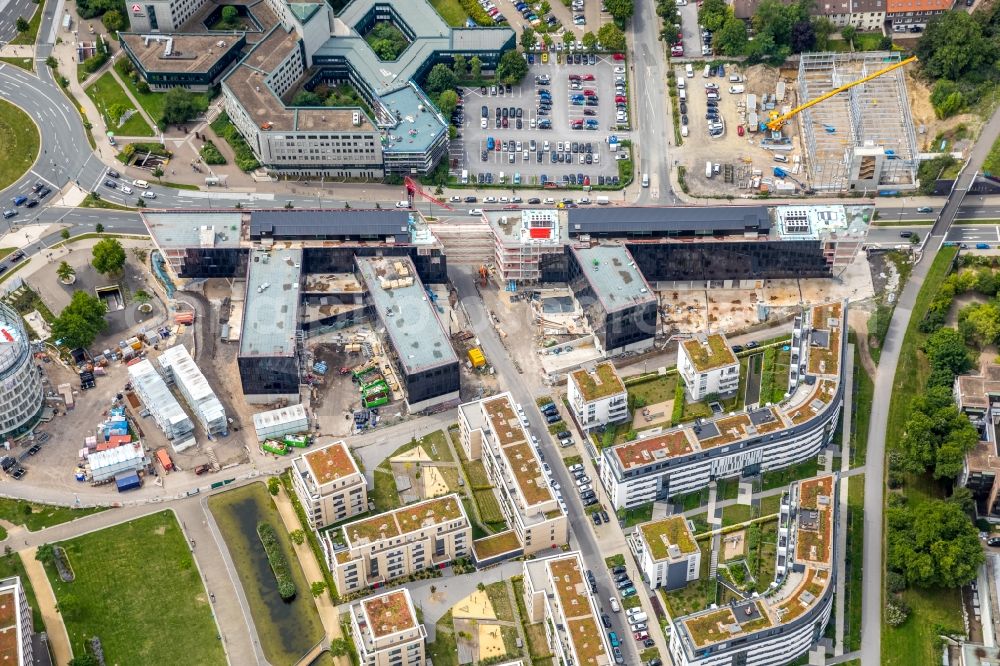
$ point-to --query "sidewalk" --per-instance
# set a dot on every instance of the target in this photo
(59, 645)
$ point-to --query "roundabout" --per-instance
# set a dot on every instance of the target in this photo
(20, 143)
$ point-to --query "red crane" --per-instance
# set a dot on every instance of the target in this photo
(413, 187)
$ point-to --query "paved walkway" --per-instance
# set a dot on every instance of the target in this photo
(845, 466)
(59, 643)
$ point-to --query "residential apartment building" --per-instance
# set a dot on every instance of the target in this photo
(708, 366)
(862, 14)
(400, 542)
(783, 625)
(978, 396)
(557, 595)
(15, 624)
(667, 552)
(386, 630)
(597, 396)
(666, 463)
(491, 430)
(329, 485)
(905, 13)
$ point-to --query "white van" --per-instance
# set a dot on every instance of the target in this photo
(681, 84)
(465, 176)
(780, 158)
(689, 71)
(705, 72)
(645, 180)
(126, 189)
(602, 201)
(141, 184)
(735, 78)
(736, 90)
(684, 130)
(682, 95)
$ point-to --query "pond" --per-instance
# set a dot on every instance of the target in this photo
(287, 630)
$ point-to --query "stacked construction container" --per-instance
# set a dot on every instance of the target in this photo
(180, 367)
(162, 406)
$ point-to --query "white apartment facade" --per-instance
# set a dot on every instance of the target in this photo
(707, 365)
(491, 430)
(667, 552)
(400, 542)
(15, 624)
(329, 485)
(386, 630)
(597, 396)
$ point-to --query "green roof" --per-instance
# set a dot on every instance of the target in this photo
(709, 352)
(661, 534)
(602, 383)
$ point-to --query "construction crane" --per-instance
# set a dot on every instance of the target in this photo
(413, 187)
(778, 120)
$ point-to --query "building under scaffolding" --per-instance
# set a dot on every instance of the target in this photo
(862, 139)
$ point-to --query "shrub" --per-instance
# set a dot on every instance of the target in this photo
(245, 159)
(895, 582)
(276, 558)
(896, 613)
(211, 155)
(476, 12)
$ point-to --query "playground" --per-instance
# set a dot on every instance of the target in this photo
(480, 634)
(418, 476)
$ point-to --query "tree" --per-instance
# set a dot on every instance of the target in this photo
(935, 545)
(99, 228)
(946, 349)
(568, 38)
(142, 296)
(475, 67)
(621, 10)
(80, 321)
(589, 40)
(849, 32)
(611, 37)
(307, 98)
(823, 28)
(803, 37)
(545, 7)
(85, 659)
(157, 173)
(731, 39)
(448, 102)
(460, 66)
(108, 256)
(65, 271)
(179, 105)
(713, 14)
(297, 537)
(21, 24)
(64, 234)
(952, 46)
(273, 485)
(980, 323)
(512, 67)
(946, 98)
(114, 20)
(116, 111)
(317, 588)
(528, 38)
(440, 78)
(230, 16)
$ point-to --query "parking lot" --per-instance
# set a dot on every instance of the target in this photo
(578, 111)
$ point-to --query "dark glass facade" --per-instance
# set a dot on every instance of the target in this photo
(730, 260)
(430, 383)
(269, 375)
(430, 263)
(216, 262)
(618, 329)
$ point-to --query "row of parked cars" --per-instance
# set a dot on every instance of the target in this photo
(38, 192)
(491, 9)
(111, 182)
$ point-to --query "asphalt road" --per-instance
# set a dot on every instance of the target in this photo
(871, 612)
(648, 75)
(10, 10)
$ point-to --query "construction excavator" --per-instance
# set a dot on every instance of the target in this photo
(777, 120)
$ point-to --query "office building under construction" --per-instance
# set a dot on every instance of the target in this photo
(861, 140)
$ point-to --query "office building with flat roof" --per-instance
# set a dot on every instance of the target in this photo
(616, 299)
(557, 595)
(666, 551)
(664, 463)
(386, 630)
(421, 349)
(786, 622)
(708, 366)
(330, 485)
(15, 624)
(597, 396)
(490, 430)
(387, 546)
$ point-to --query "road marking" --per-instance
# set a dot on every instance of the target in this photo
(41, 177)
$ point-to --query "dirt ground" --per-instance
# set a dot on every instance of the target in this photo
(654, 414)
(926, 123)
(743, 153)
(733, 545)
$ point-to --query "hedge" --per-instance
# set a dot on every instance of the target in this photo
(277, 560)
(477, 13)
(211, 155)
(245, 159)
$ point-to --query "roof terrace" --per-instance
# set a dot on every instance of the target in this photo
(824, 342)
(389, 613)
(726, 623)
(331, 463)
(581, 624)
(814, 540)
(660, 535)
(642, 452)
(600, 383)
(709, 352)
(404, 520)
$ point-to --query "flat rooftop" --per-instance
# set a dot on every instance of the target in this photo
(814, 542)
(825, 339)
(270, 313)
(405, 519)
(613, 276)
(331, 463)
(602, 382)
(180, 53)
(330, 224)
(10, 646)
(660, 535)
(409, 316)
(581, 621)
(974, 391)
(389, 613)
(522, 459)
(709, 352)
(192, 229)
(625, 220)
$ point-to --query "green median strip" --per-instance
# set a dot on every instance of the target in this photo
(902, 223)
(961, 222)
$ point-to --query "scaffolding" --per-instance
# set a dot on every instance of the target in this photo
(872, 117)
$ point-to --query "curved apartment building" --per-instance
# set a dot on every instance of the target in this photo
(679, 460)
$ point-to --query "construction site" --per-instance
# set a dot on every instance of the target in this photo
(839, 123)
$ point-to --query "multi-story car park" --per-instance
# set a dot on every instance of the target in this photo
(387, 631)
(786, 622)
(400, 542)
(303, 44)
(557, 594)
(491, 429)
(597, 396)
(688, 457)
(707, 365)
(329, 485)
(667, 553)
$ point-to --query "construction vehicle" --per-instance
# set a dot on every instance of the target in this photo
(783, 173)
(483, 273)
(413, 188)
(777, 120)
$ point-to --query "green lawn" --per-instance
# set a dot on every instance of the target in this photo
(867, 41)
(855, 543)
(698, 594)
(864, 393)
(444, 650)
(28, 37)
(654, 390)
(19, 143)
(106, 92)
(934, 611)
(451, 11)
(152, 102)
(736, 514)
(615, 560)
(635, 515)
(783, 477)
(138, 589)
(384, 494)
(39, 516)
(23, 63)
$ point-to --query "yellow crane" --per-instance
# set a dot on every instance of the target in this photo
(778, 120)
